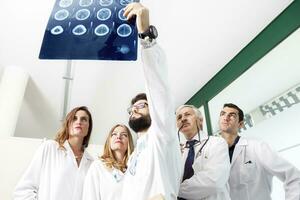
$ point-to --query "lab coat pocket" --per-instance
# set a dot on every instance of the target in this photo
(248, 172)
(200, 161)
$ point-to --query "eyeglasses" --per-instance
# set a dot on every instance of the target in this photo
(137, 106)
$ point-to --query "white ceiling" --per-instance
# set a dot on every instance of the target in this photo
(199, 38)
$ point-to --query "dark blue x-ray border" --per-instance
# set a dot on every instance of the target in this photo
(67, 45)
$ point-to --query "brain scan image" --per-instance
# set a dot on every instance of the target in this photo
(65, 3)
(79, 30)
(82, 14)
(106, 2)
(85, 3)
(101, 30)
(57, 30)
(125, 2)
(90, 30)
(124, 30)
(103, 14)
(121, 15)
(61, 15)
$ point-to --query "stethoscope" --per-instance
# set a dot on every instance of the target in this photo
(196, 143)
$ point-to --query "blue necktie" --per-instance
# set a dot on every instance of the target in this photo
(188, 169)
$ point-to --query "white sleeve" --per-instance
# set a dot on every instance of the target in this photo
(214, 175)
(282, 169)
(158, 93)
(91, 188)
(28, 186)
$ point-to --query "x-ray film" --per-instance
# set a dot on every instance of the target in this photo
(89, 29)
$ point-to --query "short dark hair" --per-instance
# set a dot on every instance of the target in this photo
(140, 96)
(240, 112)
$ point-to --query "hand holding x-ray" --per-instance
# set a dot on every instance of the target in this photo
(141, 13)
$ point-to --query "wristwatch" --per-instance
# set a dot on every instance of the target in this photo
(151, 33)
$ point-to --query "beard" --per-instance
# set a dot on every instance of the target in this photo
(140, 124)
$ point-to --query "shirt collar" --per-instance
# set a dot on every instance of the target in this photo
(242, 142)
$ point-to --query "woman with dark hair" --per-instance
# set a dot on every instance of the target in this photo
(104, 178)
(59, 166)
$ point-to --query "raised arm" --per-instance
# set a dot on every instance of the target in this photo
(156, 76)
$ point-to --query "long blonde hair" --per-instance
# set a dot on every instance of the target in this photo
(63, 133)
(108, 157)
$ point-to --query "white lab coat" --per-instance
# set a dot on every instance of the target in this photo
(155, 165)
(253, 166)
(53, 174)
(211, 171)
(102, 183)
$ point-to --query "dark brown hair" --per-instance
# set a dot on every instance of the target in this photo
(240, 112)
(140, 96)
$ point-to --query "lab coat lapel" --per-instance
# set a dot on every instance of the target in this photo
(85, 158)
(238, 149)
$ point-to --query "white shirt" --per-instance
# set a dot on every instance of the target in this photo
(252, 168)
(102, 183)
(211, 171)
(53, 174)
(155, 166)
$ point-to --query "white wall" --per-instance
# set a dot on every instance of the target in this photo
(16, 155)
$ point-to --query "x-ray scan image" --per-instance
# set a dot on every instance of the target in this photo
(89, 29)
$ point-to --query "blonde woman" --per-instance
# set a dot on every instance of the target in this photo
(104, 178)
(59, 166)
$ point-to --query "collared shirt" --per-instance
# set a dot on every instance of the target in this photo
(197, 146)
(53, 174)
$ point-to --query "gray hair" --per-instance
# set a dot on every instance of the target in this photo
(196, 110)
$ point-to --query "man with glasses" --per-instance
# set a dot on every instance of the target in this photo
(254, 163)
(206, 162)
(153, 170)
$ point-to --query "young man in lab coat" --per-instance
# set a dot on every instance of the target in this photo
(153, 170)
(206, 161)
(253, 163)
